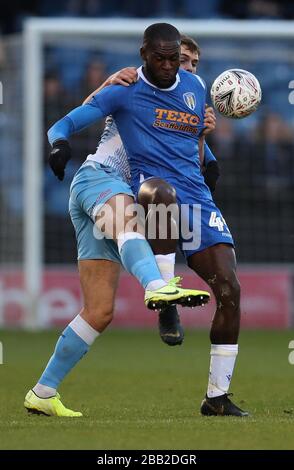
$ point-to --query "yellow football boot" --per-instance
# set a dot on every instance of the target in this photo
(48, 406)
(172, 294)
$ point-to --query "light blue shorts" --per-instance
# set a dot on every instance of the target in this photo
(93, 185)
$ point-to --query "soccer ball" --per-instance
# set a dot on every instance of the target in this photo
(236, 93)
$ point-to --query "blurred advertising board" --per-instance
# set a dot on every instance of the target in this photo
(266, 299)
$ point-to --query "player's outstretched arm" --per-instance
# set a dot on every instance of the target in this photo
(59, 133)
(108, 101)
(124, 77)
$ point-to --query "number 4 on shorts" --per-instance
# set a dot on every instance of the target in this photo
(216, 221)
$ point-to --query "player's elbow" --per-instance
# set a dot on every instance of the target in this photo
(61, 130)
(54, 133)
(51, 135)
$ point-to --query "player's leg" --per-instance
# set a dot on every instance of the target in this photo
(152, 192)
(217, 266)
(117, 220)
(97, 277)
(96, 187)
(136, 254)
(99, 280)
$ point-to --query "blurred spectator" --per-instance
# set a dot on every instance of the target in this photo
(223, 138)
(274, 139)
(146, 9)
(95, 75)
(83, 8)
(264, 9)
(257, 9)
(56, 103)
(70, 59)
(191, 9)
(56, 100)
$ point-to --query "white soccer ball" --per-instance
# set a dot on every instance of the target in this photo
(236, 93)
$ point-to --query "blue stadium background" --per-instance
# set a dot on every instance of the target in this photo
(256, 155)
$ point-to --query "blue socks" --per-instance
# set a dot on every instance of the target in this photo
(137, 258)
(70, 348)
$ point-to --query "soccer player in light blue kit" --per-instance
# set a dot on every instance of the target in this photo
(160, 119)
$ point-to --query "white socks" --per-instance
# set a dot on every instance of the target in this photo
(43, 391)
(157, 284)
(222, 363)
(84, 330)
(166, 264)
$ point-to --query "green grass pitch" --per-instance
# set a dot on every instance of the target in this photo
(137, 393)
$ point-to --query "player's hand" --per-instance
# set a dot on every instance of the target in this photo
(209, 120)
(58, 157)
(125, 77)
(211, 175)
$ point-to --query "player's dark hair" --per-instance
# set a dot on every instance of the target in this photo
(160, 32)
(190, 44)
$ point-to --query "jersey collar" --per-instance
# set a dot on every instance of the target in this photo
(141, 75)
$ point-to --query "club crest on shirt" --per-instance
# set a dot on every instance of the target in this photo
(190, 100)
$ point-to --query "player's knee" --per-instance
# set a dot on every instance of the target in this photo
(99, 318)
(228, 292)
(156, 191)
(164, 193)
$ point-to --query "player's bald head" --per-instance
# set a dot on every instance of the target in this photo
(161, 32)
